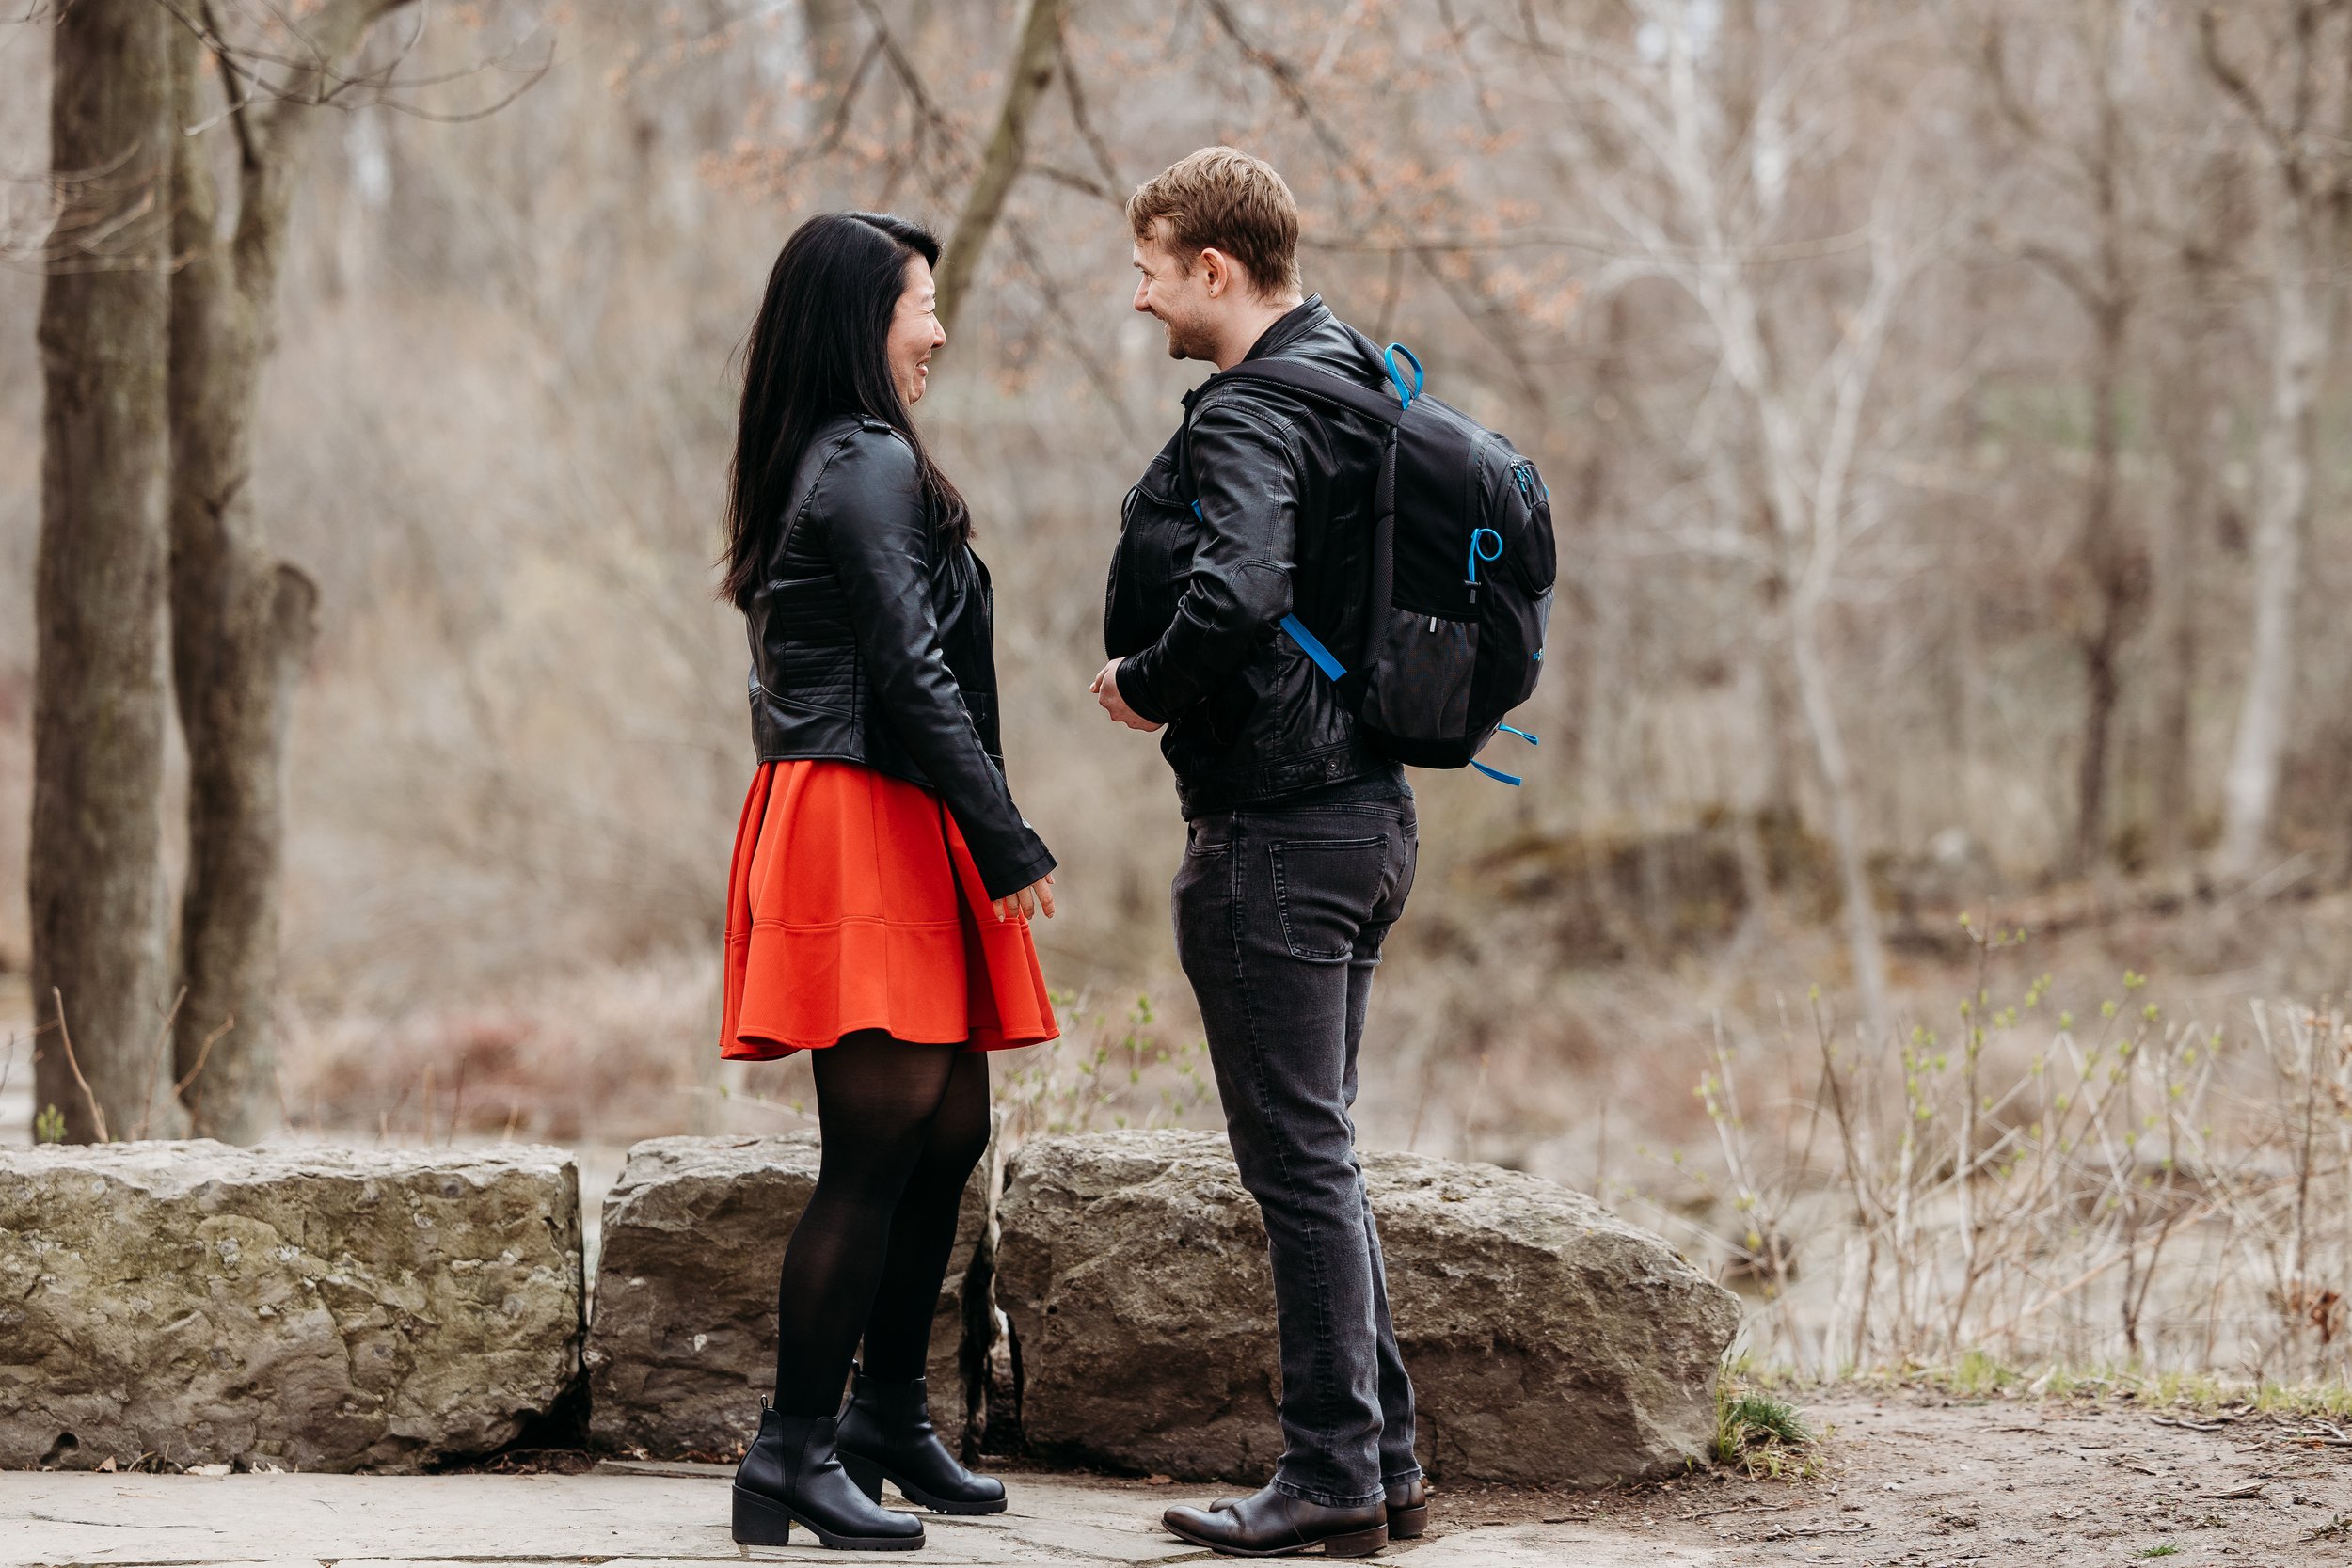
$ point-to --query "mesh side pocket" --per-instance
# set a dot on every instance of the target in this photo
(1421, 685)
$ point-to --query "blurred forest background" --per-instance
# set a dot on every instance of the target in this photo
(1942, 401)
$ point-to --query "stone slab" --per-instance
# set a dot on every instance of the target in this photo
(682, 1337)
(1548, 1340)
(326, 1308)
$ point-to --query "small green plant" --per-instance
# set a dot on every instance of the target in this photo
(1978, 1375)
(49, 1126)
(1105, 1074)
(2168, 1549)
(1761, 1435)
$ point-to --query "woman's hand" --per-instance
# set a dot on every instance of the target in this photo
(1036, 896)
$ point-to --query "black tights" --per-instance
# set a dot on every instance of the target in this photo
(902, 1127)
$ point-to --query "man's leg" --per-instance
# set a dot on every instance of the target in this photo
(1269, 909)
(1398, 1465)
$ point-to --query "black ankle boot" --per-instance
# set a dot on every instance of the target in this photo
(1269, 1523)
(1408, 1503)
(886, 1434)
(790, 1474)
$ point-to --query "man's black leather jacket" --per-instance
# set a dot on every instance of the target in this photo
(873, 642)
(1195, 601)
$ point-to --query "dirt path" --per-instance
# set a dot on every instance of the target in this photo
(1909, 1482)
(1923, 1481)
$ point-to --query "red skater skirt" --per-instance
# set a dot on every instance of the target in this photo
(853, 904)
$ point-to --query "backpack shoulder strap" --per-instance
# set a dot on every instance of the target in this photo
(1317, 385)
(1331, 389)
(1311, 382)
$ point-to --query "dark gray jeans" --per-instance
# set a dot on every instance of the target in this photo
(1280, 917)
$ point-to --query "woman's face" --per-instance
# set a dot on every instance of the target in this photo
(915, 331)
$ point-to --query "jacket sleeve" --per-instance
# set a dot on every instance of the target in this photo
(1240, 586)
(877, 529)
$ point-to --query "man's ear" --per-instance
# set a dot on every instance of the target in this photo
(1219, 268)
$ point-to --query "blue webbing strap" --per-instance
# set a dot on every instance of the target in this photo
(1314, 646)
(1299, 634)
(1498, 773)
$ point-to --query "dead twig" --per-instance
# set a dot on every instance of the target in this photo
(203, 1052)
(1736, 1507)
(155, 1065)
(97, 1112)
(1792, 1532)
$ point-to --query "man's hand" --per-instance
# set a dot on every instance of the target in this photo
(1028, 901)
(1105, 690)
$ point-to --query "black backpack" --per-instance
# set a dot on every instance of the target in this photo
(1462, 568)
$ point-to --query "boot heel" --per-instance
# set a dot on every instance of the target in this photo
(1362, 1542)
(865, 1473)
(759, 1522)
(1405, 1524)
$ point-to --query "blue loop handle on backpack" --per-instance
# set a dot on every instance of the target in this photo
(1406, 394)
(1511, 779)
(1512, 729)
(1480, 550)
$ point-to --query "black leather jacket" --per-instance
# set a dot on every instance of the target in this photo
(1195, 602)
(874, 642)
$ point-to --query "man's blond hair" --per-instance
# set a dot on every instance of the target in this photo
(1223, 197)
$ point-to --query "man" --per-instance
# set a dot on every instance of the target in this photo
(1301, 836)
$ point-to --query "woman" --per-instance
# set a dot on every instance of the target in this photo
(878, 909)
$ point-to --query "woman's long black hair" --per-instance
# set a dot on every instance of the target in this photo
(821, 349)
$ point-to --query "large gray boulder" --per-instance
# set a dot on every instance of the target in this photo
(317, 1308)
(682, 1335)
(1548, 1340)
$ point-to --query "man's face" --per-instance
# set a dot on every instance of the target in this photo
(1176, 289)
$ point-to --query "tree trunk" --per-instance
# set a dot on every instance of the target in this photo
(242, 622)
(2299, 336)
(95, 878)
(2116, 582)
(2192, 422)
(240, 626)
(1033, 62)
(1865, 947)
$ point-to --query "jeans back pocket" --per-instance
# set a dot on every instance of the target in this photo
(1325, 891)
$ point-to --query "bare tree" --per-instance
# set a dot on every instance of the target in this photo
(2089, 165)
(1036, 51)
(2193, 417)
(95, 876)
(242, 620)
(2297, 105)
(1693, 215)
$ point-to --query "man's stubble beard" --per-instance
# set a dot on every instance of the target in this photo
(1188, 341)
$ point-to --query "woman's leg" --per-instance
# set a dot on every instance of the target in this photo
(923, 1228)
(877, 1099)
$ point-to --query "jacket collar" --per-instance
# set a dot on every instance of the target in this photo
(1302, 319)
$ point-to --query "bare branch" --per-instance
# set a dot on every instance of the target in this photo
(1033, 60)
(2235, 84)
(1073, 93)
